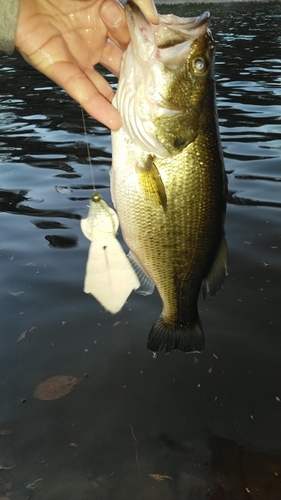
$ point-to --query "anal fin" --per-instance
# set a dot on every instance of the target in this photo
(146, 284)
(219, 270)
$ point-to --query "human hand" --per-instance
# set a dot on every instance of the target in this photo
(65, 39)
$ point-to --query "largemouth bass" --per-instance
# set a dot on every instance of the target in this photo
(168, 182)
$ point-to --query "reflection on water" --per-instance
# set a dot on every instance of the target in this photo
(175, 427)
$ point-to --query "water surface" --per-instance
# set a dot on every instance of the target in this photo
(179, 427)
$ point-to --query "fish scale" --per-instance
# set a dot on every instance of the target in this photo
(175, 242)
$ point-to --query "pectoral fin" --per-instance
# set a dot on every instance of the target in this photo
(152, 184)
(219, 270)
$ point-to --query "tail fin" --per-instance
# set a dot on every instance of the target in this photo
(186, 338)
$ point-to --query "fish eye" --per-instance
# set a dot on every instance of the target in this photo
(199, 65)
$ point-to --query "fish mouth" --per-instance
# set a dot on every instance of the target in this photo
(170, 32)
(132, 9)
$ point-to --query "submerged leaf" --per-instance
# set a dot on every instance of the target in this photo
(55, 387)
(5, 432)
(23, 334)
(31, 486)
(160, 477)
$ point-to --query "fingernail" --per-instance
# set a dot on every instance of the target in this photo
(112, 13)
(115, 124)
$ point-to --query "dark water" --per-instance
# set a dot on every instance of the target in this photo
(207, 425)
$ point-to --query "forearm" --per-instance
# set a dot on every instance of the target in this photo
(8, 24)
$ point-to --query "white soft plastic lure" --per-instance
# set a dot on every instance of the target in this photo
(109, 277)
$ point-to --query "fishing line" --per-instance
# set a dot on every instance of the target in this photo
(96, 197)
(88, 149)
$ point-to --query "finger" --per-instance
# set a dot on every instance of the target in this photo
(113, 16)
(100, 109)
(101, 85)
(86, 92)
(111, 58)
